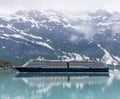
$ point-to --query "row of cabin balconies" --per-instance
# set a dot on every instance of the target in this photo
(64, 64)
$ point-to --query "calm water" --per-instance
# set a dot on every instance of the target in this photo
(41, 86)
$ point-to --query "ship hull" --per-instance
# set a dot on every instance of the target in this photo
(38, 69)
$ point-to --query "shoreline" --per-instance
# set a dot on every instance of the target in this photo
(6, 70)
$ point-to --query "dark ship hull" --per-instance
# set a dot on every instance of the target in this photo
(38, 69)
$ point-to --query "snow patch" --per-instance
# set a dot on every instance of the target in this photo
(45, 44)
(117, 58)
(1, 31)
(17, 56)
(30, 35)
(103, 24)
(17, 36)
(78, 56)
(40, 58)
(107, 58)
(14, 35)
(72, 56)
(86, 57)
(3, 38)
(67, 25)
(1, 25)
(48, 40)
(3, 47)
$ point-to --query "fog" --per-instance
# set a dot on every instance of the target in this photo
(9, 6)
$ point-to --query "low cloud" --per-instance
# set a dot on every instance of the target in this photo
(82, 32)
(64, 5)
(115, 24)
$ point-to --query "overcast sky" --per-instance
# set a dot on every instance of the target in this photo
(8, 6)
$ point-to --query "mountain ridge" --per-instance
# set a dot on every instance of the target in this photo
(55, 35)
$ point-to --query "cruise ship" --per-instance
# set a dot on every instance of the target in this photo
(62, 66)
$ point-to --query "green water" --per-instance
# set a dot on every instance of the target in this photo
(46, 86)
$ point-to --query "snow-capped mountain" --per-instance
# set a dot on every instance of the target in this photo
(56, 35)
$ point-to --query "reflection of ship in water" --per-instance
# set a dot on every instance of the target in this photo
(68, 77)
(45, 81)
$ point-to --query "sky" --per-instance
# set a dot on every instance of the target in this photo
(10, 6)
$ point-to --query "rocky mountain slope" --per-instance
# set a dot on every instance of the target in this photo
(49, 34)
